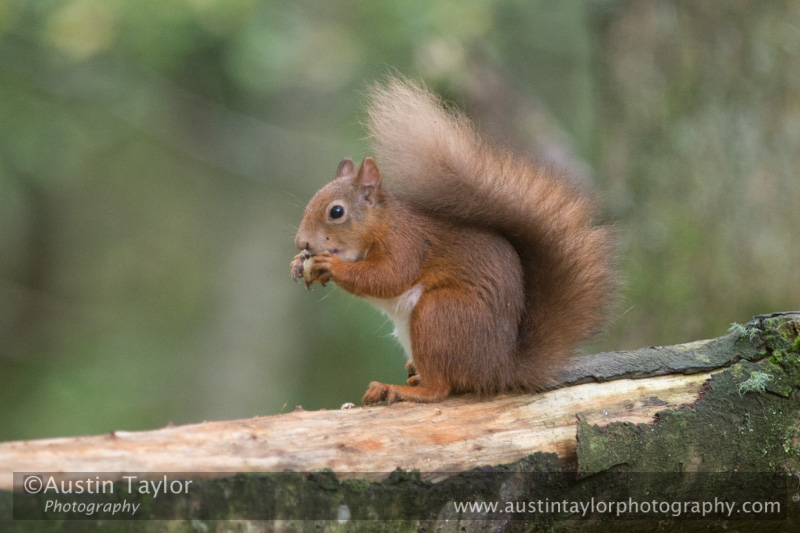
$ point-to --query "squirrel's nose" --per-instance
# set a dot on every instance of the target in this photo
(302, 244)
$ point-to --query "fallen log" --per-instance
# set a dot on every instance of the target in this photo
(696, 407)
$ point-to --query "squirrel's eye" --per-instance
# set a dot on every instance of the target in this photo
(337, 211)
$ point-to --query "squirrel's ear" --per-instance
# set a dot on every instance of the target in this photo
(346, 169)
(368, 180)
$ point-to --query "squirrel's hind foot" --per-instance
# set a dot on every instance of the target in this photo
(378, 392)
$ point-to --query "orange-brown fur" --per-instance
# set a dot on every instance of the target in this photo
(513, 273)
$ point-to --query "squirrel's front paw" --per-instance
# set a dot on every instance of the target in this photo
(323, 266)
(299, 267)
(413, 377)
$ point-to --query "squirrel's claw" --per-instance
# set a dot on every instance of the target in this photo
(299, 268)
(296, 270)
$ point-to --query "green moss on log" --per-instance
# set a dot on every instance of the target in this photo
(724, 431)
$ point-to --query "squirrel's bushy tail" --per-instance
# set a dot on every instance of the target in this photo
(433, 158)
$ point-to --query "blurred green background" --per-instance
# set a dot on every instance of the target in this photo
(155, 158)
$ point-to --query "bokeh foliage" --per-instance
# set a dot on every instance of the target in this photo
(156, 155)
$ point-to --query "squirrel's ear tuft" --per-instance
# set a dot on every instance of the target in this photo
(346, 169)
(369, 181)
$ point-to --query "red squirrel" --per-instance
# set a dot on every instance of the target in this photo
(489, 266)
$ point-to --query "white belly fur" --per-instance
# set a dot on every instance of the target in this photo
(399, 311)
